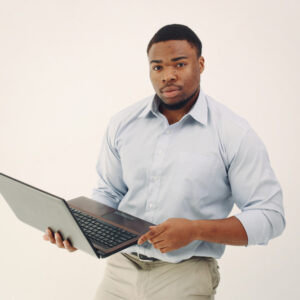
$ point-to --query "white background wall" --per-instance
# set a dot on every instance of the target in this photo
(67, 66)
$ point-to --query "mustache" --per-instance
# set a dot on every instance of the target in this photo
(170, 85)
(178, 105)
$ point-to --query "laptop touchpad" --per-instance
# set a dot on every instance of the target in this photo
(126, 220)
(119, 218)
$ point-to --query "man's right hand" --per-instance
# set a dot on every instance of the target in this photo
(57, 239)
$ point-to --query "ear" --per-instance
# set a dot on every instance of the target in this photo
(201, 62)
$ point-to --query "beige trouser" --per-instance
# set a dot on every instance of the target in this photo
(126, 277)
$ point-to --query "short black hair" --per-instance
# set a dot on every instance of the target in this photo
(176, 32)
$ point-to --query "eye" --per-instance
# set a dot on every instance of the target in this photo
(157, 68)
(180, 65)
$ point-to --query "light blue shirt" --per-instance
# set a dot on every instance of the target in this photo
(196, 168)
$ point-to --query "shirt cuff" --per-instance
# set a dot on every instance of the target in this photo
(257, 226)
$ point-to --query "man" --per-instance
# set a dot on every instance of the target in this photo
(181, 160)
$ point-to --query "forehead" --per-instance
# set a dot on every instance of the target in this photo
(171, 49)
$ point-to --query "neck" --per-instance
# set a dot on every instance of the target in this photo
(174, 116)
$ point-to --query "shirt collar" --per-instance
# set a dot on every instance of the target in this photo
(198, 112)
(152, 106)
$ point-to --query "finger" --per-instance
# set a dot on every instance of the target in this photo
(58, 240)
(144, 238)
(50, 235)
(157, 238)
(152, 233)
(160, 244)
(46, 237)
(165, 249)
(155, 233)
(68, 246)
(147, 236)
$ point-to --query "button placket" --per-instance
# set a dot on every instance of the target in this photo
(155, 173)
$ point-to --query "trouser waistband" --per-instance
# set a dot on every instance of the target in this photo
(144, 257)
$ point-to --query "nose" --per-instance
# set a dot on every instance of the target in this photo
(169, 75)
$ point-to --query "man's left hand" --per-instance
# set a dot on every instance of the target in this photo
(170, 235)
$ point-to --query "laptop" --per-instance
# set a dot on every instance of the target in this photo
(90, 226)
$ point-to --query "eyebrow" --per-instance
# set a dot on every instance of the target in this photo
(158, 61)
(178, 58)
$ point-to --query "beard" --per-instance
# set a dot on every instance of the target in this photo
(178, 105)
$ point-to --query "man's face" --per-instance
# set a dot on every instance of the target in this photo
(175, 70)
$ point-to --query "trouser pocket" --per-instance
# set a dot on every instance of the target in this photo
(214, 271)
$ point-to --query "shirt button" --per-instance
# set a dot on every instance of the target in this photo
(154, 178)
(150, 205)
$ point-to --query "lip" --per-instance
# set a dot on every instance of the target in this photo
(170, 88)
(170, 91)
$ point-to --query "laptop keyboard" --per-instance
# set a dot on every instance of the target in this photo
(101, 233)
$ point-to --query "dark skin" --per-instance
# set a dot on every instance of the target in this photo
(55, 238)
(175, 70)
(176, 64)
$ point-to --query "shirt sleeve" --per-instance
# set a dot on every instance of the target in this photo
(110, 188)
(256, 191)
